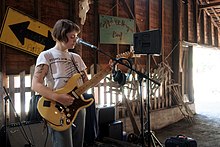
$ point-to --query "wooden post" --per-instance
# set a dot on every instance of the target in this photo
(177, 39)
(11, 93)
(22, 95)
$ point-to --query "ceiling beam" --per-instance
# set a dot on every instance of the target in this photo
(210, 5)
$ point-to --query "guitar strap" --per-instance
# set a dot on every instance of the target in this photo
(74, 63)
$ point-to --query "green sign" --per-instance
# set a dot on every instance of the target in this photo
(116, 30)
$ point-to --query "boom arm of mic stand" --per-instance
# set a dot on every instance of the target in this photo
(120, 62)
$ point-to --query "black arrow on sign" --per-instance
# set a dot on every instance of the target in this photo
(21, 31)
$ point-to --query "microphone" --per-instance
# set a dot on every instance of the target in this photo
(80, 41)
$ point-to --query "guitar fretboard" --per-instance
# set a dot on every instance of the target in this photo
(94, 81)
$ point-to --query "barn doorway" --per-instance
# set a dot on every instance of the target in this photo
(206, 79)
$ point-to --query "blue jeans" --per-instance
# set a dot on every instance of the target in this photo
(72, 137)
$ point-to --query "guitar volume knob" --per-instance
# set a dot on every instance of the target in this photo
(68, 120)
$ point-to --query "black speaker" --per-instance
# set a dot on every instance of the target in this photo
(106, 114)
(113, 130)
(116, 130)
(148, 42)
(35, 132)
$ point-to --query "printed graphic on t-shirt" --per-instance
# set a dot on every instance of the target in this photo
(62, 69)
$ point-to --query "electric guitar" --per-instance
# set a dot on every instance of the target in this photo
(61, 117)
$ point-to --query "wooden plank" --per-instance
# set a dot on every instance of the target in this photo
(11, 94)
(147, 15)
(195, 19)
(166, 91)
(170, 95)
(209, 5)
(185, 21)
(190, 89)
(22, 95)
(1, 101)
(177, 36)
(32, 68)
(105, 93)
(37, 9)
(131, 14)
(202, 29)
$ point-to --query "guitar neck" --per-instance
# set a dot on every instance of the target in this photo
(94, 81)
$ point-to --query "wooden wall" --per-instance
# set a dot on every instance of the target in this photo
(177, 19)
(153, 14)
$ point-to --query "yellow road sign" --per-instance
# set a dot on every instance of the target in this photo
(25, 33)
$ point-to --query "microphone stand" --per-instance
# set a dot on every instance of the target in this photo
(120, 62)
(6, 98)
(6, 136)
(141, 76)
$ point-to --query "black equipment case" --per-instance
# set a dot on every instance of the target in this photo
(180, 141)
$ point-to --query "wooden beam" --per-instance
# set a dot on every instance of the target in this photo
(37, 9)
(2, 47)
(211, 5)
(2, 68)
(205, 7)
(71, 12)
(96, 36)
(216, 15)
(195, 20)
(202, 31)
(162, 26)
(185, 21)
(132, 14)
(177, 38)
(147, 15)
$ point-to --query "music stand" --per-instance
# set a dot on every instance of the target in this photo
(148, 42)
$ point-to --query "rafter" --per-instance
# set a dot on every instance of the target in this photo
(210, 5)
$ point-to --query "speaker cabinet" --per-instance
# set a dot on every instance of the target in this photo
(106, 114)
(113, 130)
(147, 42)
(35, 132)
(116, 130)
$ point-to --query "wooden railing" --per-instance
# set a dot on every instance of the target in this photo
(107, 92)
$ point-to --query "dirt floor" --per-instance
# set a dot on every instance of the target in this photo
(204, 129)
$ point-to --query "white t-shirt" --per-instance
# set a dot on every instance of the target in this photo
(61, 66)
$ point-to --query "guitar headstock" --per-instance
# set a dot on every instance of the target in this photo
(125, 55)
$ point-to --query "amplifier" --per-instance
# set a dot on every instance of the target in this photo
(35, 132)
(106, 114)
(116, 130)
(113, 130)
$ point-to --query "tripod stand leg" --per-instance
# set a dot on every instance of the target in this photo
(153, 139)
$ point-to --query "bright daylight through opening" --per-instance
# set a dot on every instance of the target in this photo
(206, 79)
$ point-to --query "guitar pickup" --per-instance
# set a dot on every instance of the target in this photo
(46, 103)
(59, 107)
